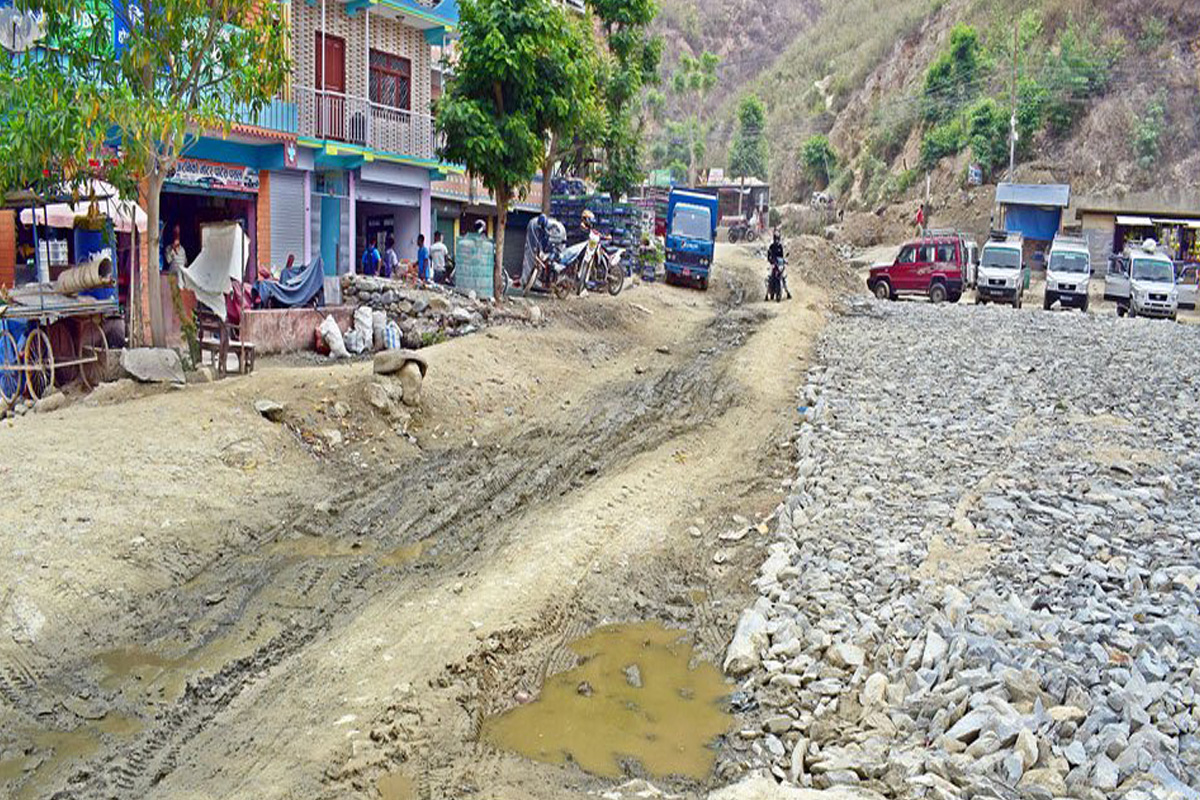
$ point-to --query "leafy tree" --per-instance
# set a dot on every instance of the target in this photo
(183, 67)
(506, 93)
(632, 65)
(748, 155)
(1147, 133)
(575, 119)
(694, 81)
(988, 132)
(947, 139)
(953, 76)
(818, 160)
(1079, 69)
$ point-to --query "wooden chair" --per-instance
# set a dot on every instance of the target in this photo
(219, 338)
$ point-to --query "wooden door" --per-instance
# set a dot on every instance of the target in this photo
(330, 81)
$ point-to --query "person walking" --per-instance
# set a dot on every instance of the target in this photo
(390, 260)
(422, 258)
(438, 253)
(371, 259)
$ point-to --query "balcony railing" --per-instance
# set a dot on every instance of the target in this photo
(355, 120)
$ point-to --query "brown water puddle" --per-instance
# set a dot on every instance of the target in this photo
(396, 786)
(57, 748)
(664, 715)
(403, 555)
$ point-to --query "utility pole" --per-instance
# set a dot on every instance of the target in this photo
(1012, 121)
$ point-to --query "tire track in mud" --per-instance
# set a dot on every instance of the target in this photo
(274, 606)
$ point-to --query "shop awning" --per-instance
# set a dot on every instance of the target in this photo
(1135, 222)
(1179, 223)
(123, 213)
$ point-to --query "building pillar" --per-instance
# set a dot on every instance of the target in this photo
(353, 232)
(427, 212)
(263, 223)
(308, 254)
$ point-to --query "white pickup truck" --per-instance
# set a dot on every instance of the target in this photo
(1141, 282)
(1068, 273)
(1000, 277)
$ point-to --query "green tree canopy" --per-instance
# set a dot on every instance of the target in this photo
(631, 66)
(693, 81)
(748, 155)
(506, 94)
(954, 75)
(184, 67)
(818, 161)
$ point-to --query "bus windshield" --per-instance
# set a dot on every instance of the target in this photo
(691, 222)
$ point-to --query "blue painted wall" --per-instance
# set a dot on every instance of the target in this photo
(331, 229)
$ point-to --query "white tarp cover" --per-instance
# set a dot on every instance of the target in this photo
(123, 213)
(1135, 222)
(224, 251)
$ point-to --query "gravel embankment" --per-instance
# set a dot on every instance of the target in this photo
(986, 579)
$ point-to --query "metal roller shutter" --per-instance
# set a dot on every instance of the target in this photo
(287, 216)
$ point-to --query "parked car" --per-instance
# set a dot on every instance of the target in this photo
(1141, 282)
(931, 266)
(1001, 273)
(1068, 273)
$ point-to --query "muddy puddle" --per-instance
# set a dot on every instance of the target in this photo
(396, 786)
(637, 695)
(52, 750)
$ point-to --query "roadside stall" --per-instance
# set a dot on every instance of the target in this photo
(53, 323)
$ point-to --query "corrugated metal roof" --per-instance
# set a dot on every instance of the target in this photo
(1057, 195)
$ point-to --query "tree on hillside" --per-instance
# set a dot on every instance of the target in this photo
(155, 76)
(514, 62)
(748, 155)
(694, 81)
(953, 78)
(632, 65)
(818, 160)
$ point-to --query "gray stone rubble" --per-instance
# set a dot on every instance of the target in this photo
(985, 581)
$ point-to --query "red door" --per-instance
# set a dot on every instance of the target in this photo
(330, 81)
(903, 270)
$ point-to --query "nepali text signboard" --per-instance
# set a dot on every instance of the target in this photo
(211, 175)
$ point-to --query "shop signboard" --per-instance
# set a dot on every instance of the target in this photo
(212, 175)
(127, 17)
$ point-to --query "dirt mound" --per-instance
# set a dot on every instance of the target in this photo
(817, 262)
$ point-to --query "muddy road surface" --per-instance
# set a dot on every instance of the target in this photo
(349, 632)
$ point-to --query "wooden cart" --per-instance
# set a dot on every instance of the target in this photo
(62, 341)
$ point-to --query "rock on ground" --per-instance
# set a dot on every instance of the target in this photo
(153, 365)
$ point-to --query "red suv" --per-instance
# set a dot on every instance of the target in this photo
(930, 266)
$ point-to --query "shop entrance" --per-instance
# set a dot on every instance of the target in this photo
(191, 209)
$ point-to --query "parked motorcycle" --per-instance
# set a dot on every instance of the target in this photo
(590, 265)
(742, 232)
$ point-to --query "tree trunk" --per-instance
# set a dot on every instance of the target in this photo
(158, 327)
(548, 173)
(501, 222)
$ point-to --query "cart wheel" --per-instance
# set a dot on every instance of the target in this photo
(92, 344)
(39, 365)
(10, 371)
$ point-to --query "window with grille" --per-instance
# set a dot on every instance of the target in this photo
(391, 80)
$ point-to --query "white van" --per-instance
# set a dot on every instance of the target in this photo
(1068, 273)
(1142, 282)
(1000, 277)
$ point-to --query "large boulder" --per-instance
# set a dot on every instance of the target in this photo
(411, 377)
(153, 365)
(389, 362)
(749, 639)
(761, 787)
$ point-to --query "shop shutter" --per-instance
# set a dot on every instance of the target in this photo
(287, 217)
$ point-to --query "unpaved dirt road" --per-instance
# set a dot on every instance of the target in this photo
(198, 603)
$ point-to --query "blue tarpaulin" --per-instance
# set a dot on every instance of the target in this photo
(1041, 224)
(296, 286)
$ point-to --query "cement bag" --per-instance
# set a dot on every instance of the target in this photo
(332, 335)
(362, 321)
(355, 341)
(379, 322)
(392, 337)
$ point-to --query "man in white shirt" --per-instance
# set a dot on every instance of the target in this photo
(437, 258)
(174, 257)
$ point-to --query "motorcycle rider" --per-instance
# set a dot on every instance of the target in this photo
(776, 256)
